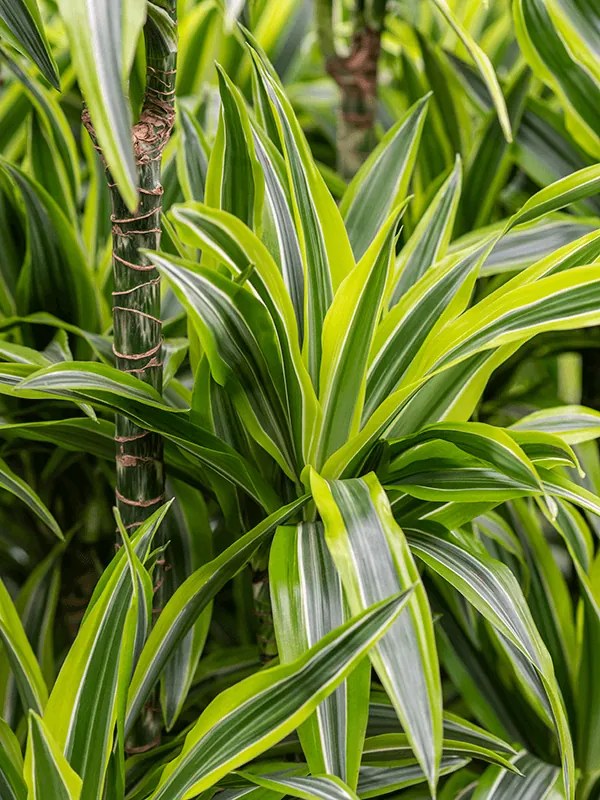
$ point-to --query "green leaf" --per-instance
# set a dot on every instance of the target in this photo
(10, 482)
(192, 157)
(233, 181)
(239, 339)
(530, 242)
(429, 240)
(54, 257)
(46, 769)
(536, 782)
(494, 591)
(391, 746)
(583, 183)
(573, 424)
(376, 781)
(247, 719)
(491, 162)
(556, 60)
(280, 214)
(26, 670)
(21, 23)
(324, 244)
(381, 183)
(321, 787)
(484, 65)
(308, 603)
(238, 248)
(87, 701)
(373, 559)
(348, 331)
(107, 386)
(12, 785)
(189, 601)
(438, 295)
(189, 535)
(102, 38)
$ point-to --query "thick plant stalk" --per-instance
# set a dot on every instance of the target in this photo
(136, 296)
(356, 77)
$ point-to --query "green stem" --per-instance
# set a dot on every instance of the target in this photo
(136, 297)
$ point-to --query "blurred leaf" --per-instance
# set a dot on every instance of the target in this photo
(21, 23)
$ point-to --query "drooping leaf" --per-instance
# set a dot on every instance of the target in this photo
(189, 601)
(373, 559)
(245, 720)
(536, 783)
(21, 23)
(12, 483)
(494, 591)
(103, 38)
(483, 64)
(308, 603)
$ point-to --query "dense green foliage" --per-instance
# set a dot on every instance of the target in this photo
(343, 290)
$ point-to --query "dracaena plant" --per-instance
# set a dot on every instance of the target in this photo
(402, 557)
(334, 375)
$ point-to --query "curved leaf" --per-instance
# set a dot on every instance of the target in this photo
(245, 720)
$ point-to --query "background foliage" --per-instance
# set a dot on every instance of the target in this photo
(377, 393)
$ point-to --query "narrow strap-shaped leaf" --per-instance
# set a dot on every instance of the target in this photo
(232, 181)
(348, 331)
(438, 294)
(189, 601)
(280, 207)
(494, 591)
(12, 483)
(240, 341)
(12, 785)
(324, 244)
(382, 182)
(108, 386)
(103, 37)
(373, 559)
(573, 424)
(321, 787)
(47, 771)
(376, 780)
(87, 701)
(308, 603)
(239, 248)
(192, 157)
(430, 238)
(21, 22)
(557, 302)
(26, 670)
(583, 183)
(245, 720)
(392, 746)
(54, 256)
(530, 242)
(484, 442)
(556, 61)
(187, 530)
(484, 65)
(557, 485)
(491, 162)
(535, 783)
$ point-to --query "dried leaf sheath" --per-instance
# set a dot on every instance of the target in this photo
(136, 296)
